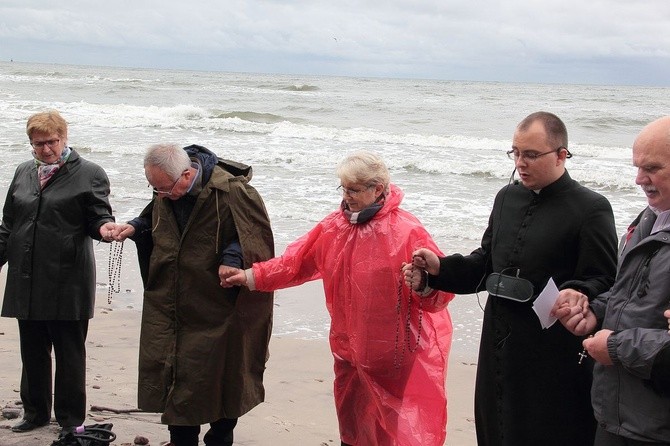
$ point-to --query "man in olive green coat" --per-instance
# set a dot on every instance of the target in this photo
(203, 347)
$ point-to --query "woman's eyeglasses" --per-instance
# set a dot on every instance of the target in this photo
(51, 143)
(352, 192)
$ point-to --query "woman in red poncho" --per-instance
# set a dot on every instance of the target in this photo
(390, 345)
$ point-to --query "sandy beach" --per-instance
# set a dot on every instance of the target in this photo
(298, 407)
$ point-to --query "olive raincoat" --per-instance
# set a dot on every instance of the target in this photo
(203, 348)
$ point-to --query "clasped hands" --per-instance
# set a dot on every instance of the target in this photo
(572, 310)
(118, 232)
(424, 261)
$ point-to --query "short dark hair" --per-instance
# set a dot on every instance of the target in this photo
(557, 133)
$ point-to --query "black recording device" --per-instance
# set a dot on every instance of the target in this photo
(509, 287)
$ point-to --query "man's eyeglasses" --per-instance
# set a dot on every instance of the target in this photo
(167, 192)
(51, 143)
(352, 192)
(531, 155)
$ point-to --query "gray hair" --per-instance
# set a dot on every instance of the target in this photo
(364, 167)
(169, 158)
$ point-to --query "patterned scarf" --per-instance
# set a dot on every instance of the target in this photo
(364, 215)
(47, 170)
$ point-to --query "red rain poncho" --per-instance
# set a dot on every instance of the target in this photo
(388, 390)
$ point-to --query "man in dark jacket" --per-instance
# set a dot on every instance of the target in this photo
(202, 347)
(530, 389)
(631, 394)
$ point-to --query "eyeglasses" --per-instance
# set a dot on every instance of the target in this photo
(531, 155)
(40, 144)
(352, 192)
(168, 192)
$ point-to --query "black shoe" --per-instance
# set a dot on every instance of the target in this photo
(27, 426)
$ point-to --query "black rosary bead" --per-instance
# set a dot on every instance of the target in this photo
(114, 269)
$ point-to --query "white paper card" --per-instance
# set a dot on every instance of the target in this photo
(545, 302)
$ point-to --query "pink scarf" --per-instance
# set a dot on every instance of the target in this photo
(46, 171)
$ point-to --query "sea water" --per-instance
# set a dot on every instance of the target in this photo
(444, 142)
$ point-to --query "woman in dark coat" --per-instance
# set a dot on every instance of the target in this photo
(56, 204)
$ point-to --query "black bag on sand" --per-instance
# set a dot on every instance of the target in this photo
(91, 435)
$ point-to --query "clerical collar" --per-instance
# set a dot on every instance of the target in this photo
(559, 184)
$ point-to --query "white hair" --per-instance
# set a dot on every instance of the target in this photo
(365, 168)
(169, 158)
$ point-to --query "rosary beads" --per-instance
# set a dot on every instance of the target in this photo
(114, 269)
(398, 358)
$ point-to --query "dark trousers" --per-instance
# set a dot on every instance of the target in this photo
(604, 438)
(219, 434)
(68, 339)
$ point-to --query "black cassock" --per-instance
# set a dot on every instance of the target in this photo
(530, 389)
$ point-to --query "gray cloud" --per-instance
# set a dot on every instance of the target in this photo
(600, 41)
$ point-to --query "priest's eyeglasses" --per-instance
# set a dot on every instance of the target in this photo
(531, 155)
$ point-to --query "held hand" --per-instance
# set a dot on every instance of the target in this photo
(225, 272)
(579, 324)
(123, 231)
(596, 347)
(107, 231)
(572, 309)
(231, 277)
(426, 259)
(415, 278)
(568, 302)
(575, 320)
(666, 313)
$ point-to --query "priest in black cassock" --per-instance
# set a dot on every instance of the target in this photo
(531, 388)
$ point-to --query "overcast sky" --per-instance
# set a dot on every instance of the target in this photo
(571, 41)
